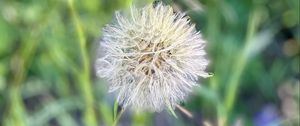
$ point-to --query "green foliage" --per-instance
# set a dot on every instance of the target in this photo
(48, 47)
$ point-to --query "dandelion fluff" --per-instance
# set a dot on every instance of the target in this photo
(151, 58)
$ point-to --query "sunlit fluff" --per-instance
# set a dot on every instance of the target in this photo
(152, 58)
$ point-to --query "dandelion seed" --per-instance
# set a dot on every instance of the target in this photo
(152, 58)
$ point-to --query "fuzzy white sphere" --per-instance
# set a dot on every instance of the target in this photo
(152, 58)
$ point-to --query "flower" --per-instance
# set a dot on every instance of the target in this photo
(151, 58)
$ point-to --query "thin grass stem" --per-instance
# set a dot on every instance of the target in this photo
(84, 75)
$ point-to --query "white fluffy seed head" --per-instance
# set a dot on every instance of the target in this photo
(152, 58)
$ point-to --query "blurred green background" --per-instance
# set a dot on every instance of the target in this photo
(48, 49)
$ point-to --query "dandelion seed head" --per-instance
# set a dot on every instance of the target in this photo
(152, 58)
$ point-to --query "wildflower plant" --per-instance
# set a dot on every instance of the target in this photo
(152, 58)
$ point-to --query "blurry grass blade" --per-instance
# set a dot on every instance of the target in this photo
(172, 111)
(66, 119)
(115, 109)
(240, 62)
(208, 94)
(194, 5)
(115, 123)
(106, 114)
(141, 118)
(54, 109)
(259, 42)
(84, 75)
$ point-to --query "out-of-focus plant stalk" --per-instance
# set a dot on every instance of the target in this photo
(20, 62)
(240, 64)
(116, 120)
(213, 35)
(84, 74)
(141, 118)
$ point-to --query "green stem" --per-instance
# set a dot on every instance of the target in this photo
(84, 75)
(118, 117)
(21, 60)
(240, 64)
